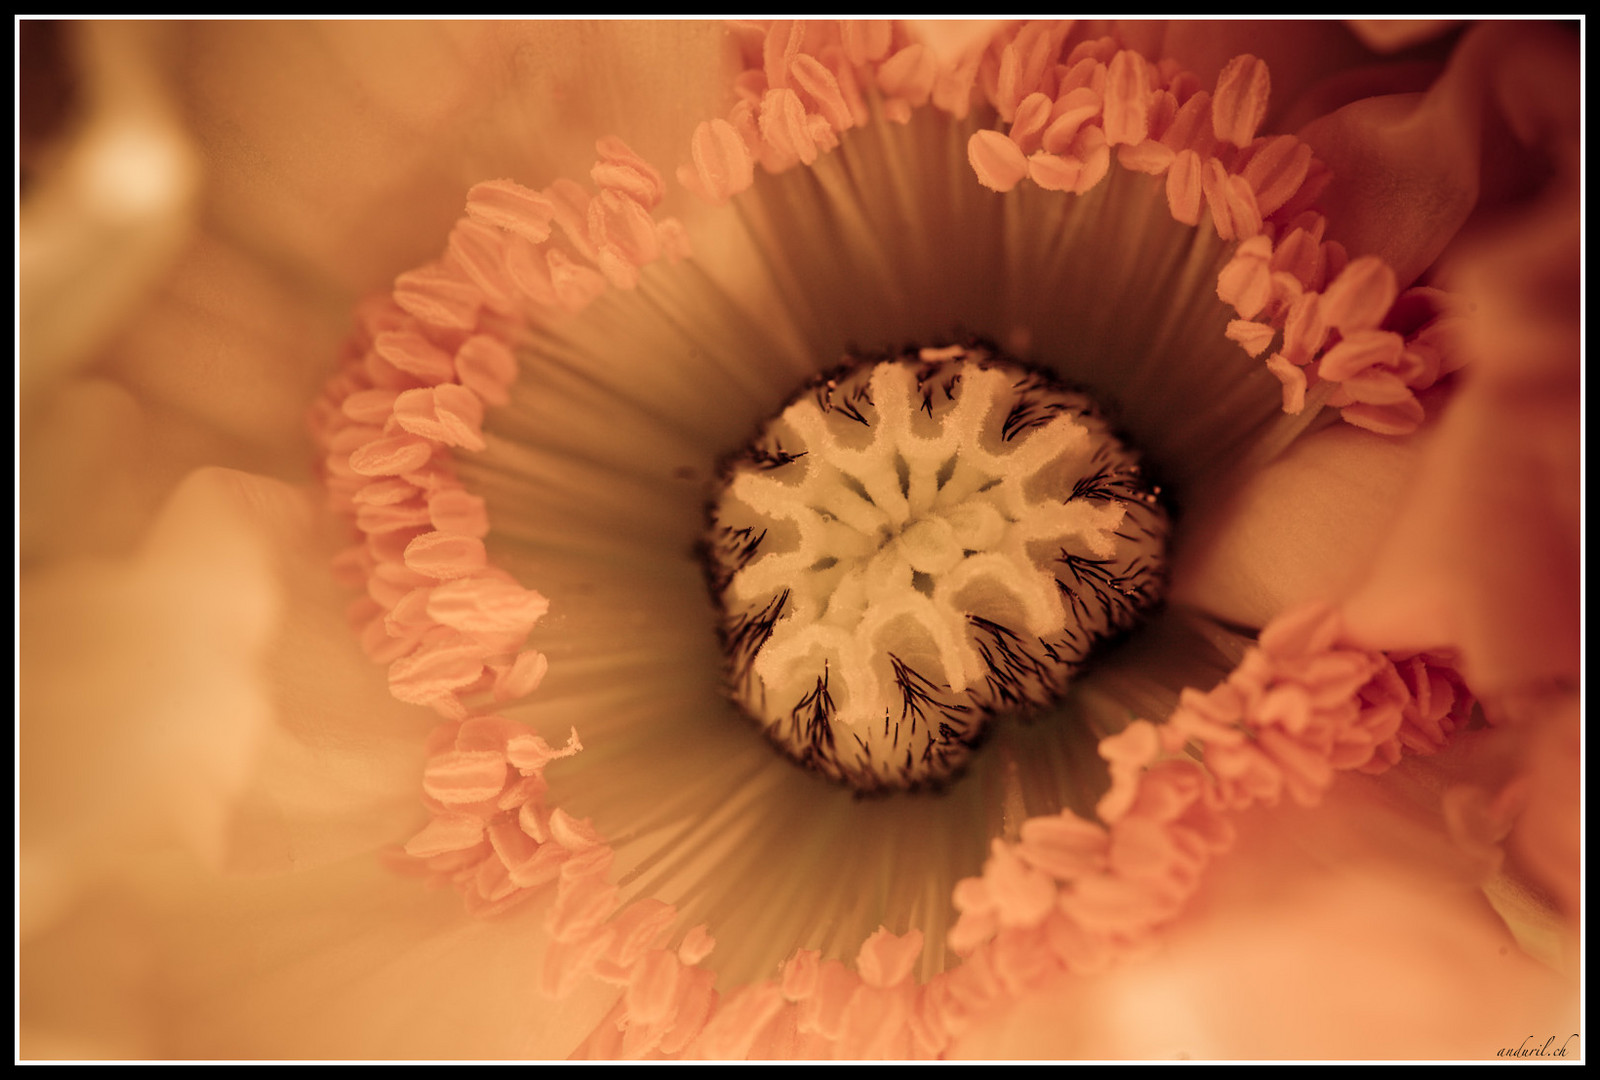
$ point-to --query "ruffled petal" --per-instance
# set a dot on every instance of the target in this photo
(1503, 470)
(1486, 558)
(1407, 167)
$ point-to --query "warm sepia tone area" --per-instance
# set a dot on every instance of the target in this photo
(393, 684)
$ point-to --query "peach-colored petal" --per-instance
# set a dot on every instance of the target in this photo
(953, 39)
(101, 225)
(1511, 795)
(1407, 167)
(1502, 469)
(1304, 528)
(1349, 930)
(282, 752)
(1546, 842)
(142, 685)
(335, 773)
(355, 962)
(1391, 35)
(1299, 53)
(416, 114)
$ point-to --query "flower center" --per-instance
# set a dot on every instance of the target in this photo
(917, 544)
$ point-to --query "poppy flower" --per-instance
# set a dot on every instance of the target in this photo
(209, 761)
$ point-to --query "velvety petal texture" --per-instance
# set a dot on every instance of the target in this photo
(217, 783)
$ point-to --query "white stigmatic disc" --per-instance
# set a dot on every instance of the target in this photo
(917, 544)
